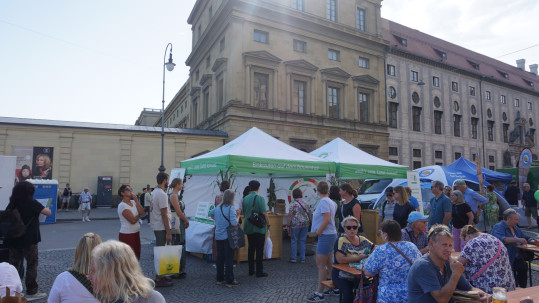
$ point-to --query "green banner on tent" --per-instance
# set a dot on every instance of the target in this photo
(241, 164)
(371, 171)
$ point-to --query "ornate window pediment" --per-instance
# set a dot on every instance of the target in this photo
(302, 65)
(263, 57)
(218, 63)
(335, 72)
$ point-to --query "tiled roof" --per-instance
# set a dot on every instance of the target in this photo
(408, 40)
(106, 126)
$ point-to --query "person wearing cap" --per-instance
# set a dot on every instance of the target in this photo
(416, 231)
(388, 207)
(475, 200)
(85, 201)
(440, 205)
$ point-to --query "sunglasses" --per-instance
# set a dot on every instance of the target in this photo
(351, 227)
(389, 195)
(128, 189)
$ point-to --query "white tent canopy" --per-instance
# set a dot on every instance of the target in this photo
(259, 153)
(352, 162)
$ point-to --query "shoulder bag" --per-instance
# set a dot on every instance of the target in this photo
(367, 291)
(489, 262)
(236, 236)
(83, 280)
(256, 218)
(307, 213)
(400, 252)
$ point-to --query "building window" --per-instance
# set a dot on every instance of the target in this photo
(360, 19)
(415, 97)
(438, 154)
(222, 44)
(391, 70)
(502, 99)
(393, 108)
(530, 121)
(414, 76)
(333, 101)
(487, 95)
(438, 122)
(473, 109)
(334, 55)
(532, 134)
(504, 116)
(492, 167)
(332, 10)
(299, 95)
(489, 113)
(458, 155)
(363, 107)
(456, 106)
(416, 119)
(475, 121)
(416, 153)
(394, 161)
(206, 109)
(393, 151)
(299, 5)
(197, 75)
(220, 91)
(261, 36)
(490, 158)
(505, 133)
(474, 156)
(490, 130)
(529, 106)
(456, 125)
(517, 103)
(392, 92)
(417, 164)
(300, 46)
(454, 86)
(363, 62)
(472, 90)
(437, 102)
(261, 89)
(436, 81)
(208, 62)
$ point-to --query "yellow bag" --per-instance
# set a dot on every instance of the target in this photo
(167, 259)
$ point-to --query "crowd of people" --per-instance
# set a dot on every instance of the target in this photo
(414, 264)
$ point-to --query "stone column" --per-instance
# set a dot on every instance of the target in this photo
(65, 153)
(125, 159)
(248, 100)
(288, 92)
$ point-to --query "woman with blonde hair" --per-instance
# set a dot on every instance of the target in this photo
(44, 165)
(116, 276)
(403, 208)
(72, 285)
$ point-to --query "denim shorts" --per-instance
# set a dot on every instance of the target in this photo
(325, 244)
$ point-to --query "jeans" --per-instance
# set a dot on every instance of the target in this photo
(225, 261)
(30, 253)
(346, 287)
(256, 243)
(301, 235)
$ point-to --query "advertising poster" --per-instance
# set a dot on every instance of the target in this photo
(33, 162)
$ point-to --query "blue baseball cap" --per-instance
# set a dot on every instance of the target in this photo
(415, 215)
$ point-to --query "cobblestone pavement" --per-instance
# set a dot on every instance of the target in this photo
(286, 282)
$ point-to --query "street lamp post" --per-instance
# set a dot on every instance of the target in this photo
(169, 66)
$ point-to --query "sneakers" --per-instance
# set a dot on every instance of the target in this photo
(332, 292)
(261, 275)
(83, 219)
(162, 283)
(232, 284)
(87, 218)
(315, 298)
(292, 261)
(302, 261)
(36, 296)
(220, 282)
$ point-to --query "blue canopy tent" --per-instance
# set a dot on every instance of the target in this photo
(465, 165)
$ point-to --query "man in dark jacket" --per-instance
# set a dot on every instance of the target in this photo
(529, 203)
(512, 193)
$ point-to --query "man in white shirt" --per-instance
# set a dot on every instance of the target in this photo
(160, 216)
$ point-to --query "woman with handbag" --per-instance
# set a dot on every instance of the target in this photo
(299, 219)
(129, 212)
(72, 285)
(349, 248)
(392, 262)
(179, 223)
(225, 216)
(486, 261)
(218, 199)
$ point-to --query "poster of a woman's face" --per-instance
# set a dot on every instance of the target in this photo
(42, 166)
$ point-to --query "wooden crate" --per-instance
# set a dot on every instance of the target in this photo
(369, 218)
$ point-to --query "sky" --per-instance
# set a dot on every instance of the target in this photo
(102, 60)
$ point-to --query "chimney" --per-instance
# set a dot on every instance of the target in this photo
(533, 68)
(521, 63)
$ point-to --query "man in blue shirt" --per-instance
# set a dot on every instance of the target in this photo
(435, 276)
(508, 232)
(440, 205)
(475, 200)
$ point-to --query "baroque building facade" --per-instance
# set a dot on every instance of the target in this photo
(305, 72)
(447, 102)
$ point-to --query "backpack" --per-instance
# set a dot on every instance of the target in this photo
(11, 224)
